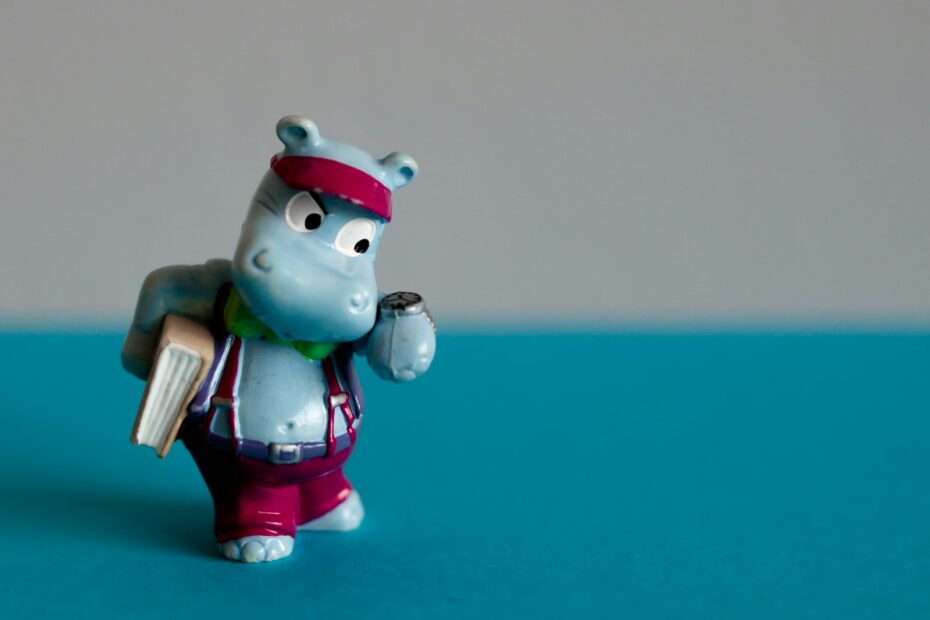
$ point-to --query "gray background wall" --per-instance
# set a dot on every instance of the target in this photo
(613, 161)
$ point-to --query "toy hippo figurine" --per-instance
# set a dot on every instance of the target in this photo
(277, 415)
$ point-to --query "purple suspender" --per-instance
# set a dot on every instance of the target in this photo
(337, 398)
(225, 396)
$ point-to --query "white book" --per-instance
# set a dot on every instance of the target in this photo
(182, 358)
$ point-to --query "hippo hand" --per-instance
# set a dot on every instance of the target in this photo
(403, 342)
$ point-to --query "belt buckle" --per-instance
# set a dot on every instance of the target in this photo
(283, 453)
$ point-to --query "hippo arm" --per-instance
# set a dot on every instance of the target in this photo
(399, 348)
(187, 290)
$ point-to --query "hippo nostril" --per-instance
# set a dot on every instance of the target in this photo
(359, 302)
(261, 260)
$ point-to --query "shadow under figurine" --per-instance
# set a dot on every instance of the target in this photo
(269, 406)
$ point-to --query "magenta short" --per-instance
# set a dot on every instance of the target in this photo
(257, 498)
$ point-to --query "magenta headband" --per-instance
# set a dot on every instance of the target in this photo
(327, 176)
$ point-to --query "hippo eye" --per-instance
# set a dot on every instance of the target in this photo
(355, 237)
(304, 213)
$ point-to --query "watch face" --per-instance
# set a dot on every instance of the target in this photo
(403, 303)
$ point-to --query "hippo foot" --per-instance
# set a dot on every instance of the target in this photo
(257, 548)
(345, 517)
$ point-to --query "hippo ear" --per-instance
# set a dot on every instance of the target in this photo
(297, 132)
(401, 168)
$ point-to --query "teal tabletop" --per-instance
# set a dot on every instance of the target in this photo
(769, 475)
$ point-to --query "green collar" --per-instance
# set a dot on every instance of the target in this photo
(241, 322)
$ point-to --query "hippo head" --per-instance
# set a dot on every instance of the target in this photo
(304, 264)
